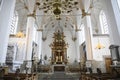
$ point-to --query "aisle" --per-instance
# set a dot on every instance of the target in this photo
(59, 76)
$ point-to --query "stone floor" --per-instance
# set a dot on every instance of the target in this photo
(58, 76)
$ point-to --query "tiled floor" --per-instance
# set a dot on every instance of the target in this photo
(58, 76)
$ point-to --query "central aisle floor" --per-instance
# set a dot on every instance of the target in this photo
(59, 76)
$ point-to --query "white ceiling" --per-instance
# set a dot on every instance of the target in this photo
(70, 21)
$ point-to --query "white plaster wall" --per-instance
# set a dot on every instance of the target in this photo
(99, 53)
(72, 49)
(46, 50)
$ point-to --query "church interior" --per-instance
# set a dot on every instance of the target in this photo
(60, 40)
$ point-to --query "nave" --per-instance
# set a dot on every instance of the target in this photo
(40, 37)
(61, 75)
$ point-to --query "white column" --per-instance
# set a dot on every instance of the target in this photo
(88, 37)
(113, 18)
(6, 13)
(29, 37)
(77, 46)
(39, 43)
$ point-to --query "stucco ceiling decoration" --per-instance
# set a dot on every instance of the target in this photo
(58, 7)
(66, 11)
(59, 10)
(69, 12)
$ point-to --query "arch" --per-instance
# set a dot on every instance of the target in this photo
(103, 23)
(57, 25)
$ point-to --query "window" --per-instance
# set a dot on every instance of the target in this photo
(14, 22)
(103, 23)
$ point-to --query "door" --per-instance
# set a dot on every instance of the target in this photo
(108, 62)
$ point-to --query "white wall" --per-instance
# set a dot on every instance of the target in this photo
(72, 48)
(99, 53)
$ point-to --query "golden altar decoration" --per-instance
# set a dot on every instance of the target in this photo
(59, 49)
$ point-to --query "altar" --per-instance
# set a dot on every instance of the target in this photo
(59, 68)
(59, 50)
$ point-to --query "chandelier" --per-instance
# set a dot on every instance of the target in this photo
(99, 45)
(20, 34)
(58, 7)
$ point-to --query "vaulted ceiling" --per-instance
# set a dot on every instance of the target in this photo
(51, 14)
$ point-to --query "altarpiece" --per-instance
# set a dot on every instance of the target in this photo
(59, 48)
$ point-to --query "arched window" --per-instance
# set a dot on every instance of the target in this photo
(14, 22)
(103, 23)
(118, 1)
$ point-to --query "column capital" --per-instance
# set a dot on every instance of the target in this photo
(40, 30)
(31, 15)
(78, 30)
(85, 14)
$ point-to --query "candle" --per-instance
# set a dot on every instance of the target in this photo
(61, 58)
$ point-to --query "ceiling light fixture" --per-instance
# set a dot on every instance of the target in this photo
(58, 7)
(99, 45)
(20, 34)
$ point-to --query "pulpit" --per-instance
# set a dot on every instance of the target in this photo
(59, 49)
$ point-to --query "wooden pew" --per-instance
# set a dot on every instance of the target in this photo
(2, 72)
(103, 76)
(20, 76)
(97, 76)
(17, 75)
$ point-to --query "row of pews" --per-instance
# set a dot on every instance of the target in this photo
(17, 75)
(20, 76)
(115, 75)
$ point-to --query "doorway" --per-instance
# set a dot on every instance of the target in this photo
(108, 62)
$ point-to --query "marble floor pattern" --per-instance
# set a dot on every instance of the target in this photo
(58, 76)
